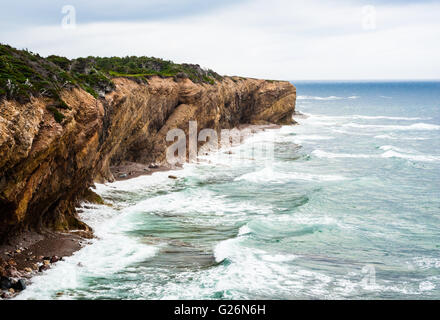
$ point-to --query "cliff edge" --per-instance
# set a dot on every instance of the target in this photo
(54, 147)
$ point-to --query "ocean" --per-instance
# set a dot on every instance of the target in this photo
(347, 206)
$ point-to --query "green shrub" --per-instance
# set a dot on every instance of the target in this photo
(58, 116)
(61, 62)
(24, 74)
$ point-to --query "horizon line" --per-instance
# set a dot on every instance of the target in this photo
(372, 80)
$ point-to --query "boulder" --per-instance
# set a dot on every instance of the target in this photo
(20, 285)
(43, 268)
(5, 283)
(54, 259)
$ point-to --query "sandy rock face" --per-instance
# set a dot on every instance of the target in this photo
(46, 166)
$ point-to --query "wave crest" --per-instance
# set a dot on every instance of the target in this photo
(324, 98)
(390, 137)
(269, 175)
(390, 152)
(415, 126)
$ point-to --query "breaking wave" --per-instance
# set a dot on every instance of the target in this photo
(390, 152)
(270, 175)
(365, 117)
(415, 126)
(390, 137)
(325, 98)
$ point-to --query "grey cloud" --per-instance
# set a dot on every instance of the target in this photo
(16, 14)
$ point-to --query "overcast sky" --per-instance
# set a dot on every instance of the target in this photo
(273, 39)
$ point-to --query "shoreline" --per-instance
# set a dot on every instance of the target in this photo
(129, 170)
(30, 253)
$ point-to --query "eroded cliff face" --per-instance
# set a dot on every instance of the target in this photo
(47, 166)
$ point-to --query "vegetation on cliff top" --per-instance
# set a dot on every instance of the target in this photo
(24, 74)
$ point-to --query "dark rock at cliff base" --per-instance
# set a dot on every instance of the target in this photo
(54, 259)
(92, 197)
(5, 283)
(20, 285)
(43, 268)
(172, 177)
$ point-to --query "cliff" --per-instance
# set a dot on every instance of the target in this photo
(51, 153)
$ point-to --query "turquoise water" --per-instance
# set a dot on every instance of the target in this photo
(347, 207)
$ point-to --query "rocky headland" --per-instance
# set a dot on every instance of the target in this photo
(65, 124)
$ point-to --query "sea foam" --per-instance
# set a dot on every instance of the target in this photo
(390, 152)
(268, 174)
(324, 98)
(391, 137)
(109, 253)
(415, 126)
(413, 157)
(363, 117)
(325, 154)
